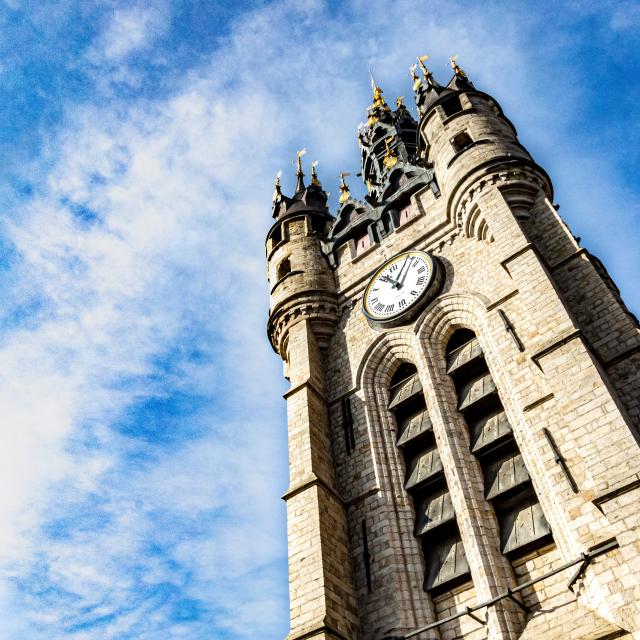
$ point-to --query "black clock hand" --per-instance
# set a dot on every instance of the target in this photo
(398, 281)
(406, 272)
(387, 278)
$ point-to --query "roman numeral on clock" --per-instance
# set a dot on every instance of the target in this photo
(389, 308)
(420, 281)
(379, 306)
(402, 304)
(421, 269)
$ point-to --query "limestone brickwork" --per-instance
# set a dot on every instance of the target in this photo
(561, 348)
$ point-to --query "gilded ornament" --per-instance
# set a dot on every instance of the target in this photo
(391, 156)
(314, 176)
(344, 188)
(456, 69)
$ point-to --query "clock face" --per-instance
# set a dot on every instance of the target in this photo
(399, 287)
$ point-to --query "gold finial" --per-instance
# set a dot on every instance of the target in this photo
(277, 193)
(378, 100)
(344, 188)
(456, 69)
(314, 176)
(391, 155)
(421, 61)
(414, 77)
(428, 76)
(299, 161)
(400, 102)
(379, 103)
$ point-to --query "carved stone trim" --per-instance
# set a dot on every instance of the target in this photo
(538, 402)
(497, 303)
(536, 357)
(316, 481)
(504, 170)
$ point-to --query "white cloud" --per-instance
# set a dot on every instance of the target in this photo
(130, 29)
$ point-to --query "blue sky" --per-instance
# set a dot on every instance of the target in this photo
(143, 438)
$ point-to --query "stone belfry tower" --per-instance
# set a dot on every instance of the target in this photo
(464, 410)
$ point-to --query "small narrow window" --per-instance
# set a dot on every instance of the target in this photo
(276, 235)
(405, 214)
(362, 243)
(451, 105)
(461, 141)
(284, 268)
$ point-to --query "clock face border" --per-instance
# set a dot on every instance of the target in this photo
(430, 291)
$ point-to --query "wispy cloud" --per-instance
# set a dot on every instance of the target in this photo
(142, 446)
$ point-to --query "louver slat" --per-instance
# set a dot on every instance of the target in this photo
(445, 561)
(489, 430)
(426, 466)
(404, 390)
(414, 427)
(504, 474)
(476, 390)
(523, 524)
(462, 355)
(433, 511)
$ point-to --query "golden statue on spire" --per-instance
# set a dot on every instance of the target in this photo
(456, 69)
(344, 188)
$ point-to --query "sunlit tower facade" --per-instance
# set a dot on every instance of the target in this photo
(464, 408)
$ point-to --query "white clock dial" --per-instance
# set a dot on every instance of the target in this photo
(398, 286)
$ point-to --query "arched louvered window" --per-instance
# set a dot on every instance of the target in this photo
(507, 484)
(435, 522)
